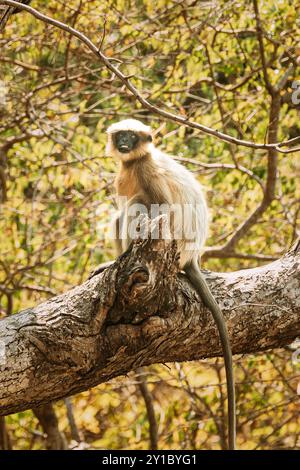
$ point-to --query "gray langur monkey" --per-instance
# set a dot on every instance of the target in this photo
(148, 176)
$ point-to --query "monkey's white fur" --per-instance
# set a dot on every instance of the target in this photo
(171, 179)
(129, 125)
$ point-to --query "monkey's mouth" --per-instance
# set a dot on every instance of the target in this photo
(124, 149)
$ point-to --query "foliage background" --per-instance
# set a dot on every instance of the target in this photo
(200, 59)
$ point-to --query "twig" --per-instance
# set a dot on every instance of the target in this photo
(125, 80)
(143, 387)
(72, 423)
(269, 86)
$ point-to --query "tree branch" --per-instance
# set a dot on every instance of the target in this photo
(46, 415)
(259, 31)
(140, 311)
(108, 62)
(147, 396)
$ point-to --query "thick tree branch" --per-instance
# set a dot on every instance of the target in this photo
(140, 311)
(108, 62)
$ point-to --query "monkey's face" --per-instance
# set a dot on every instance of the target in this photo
(126, 141)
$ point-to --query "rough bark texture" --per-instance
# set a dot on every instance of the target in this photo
(138, 312)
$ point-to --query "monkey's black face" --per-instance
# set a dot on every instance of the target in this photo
(126, 141)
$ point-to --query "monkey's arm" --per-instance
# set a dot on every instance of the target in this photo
(120, 234)
(117, 227)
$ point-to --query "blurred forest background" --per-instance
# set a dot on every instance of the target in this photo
(216, 62)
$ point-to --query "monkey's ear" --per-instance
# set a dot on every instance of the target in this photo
(149, 138)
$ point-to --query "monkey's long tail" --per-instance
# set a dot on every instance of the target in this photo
(197, 279)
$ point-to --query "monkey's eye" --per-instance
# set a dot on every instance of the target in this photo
(133, 137)
(127, 135)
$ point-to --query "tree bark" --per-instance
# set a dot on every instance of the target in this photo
(141, 311)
